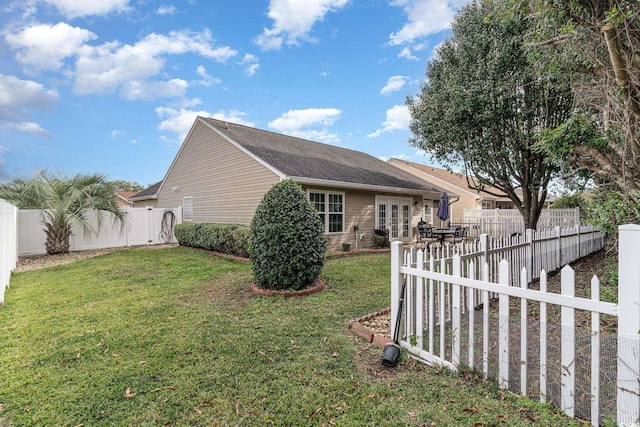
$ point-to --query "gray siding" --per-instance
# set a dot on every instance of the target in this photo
(226, 184)
(360, 210)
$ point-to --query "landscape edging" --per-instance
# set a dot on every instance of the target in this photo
(359, 329)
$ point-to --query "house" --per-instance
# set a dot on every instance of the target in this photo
(222, 171)
(122, 198)
(457, 183)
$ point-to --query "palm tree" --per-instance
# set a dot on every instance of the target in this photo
(64, 202)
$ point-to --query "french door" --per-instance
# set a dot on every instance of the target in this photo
(394, 214)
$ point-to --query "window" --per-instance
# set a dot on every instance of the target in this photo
(382, 216)
(485, 205)
(187, 209)
(330, 208)
(405, 220)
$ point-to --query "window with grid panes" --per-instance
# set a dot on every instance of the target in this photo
(330, 208)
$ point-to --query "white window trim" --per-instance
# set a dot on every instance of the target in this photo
(326, 212)
(187, 211)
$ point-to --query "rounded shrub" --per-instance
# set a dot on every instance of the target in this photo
(286, 240)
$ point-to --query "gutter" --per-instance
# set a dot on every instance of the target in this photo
(139, 199)
(358, 186)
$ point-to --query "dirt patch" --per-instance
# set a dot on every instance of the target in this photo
(369, 361)
(318, 286)
(36, 262)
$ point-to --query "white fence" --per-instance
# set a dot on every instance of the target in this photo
(506, 222)
(8, 246)
(581, 354)
(144, 226)
(534, 250)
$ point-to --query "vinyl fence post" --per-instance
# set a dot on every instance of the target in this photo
(629, 325)
(577, 227)
(396, 282)
(558, 232)
(484, 249)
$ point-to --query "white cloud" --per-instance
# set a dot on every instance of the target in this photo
(149, 90)
(45, 46)
(111, 66)
(294, 20)
(166, 9)
(179, 121)
(207, 80)
(75, 8)
(407, 54)
(26, 127)
(394, 84)
(251, 63)
(326, 69)
(398, 118)
(296, 119)
(294, 122)
(425, 17)
(17, 98)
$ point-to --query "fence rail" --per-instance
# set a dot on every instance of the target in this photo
(534, 342)
(534, 250)
(8, 245)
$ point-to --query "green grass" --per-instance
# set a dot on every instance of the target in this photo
(181, 330)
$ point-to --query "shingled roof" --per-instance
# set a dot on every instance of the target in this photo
(148, 192)
(301, 159)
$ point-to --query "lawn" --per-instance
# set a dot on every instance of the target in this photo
(174, 337)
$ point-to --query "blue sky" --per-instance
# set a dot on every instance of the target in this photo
(113, 86)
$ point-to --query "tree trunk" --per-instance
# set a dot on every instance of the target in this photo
(57, 239)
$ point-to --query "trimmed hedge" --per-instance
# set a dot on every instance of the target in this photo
(232, 239)
(287, 243)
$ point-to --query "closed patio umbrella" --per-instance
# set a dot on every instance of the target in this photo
(443, 207)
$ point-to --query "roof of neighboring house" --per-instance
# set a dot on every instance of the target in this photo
(125, 195)
(148, 192)
(459, 180)
(313, 163)
(452, 178)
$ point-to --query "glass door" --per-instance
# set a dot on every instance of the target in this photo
(393, 214)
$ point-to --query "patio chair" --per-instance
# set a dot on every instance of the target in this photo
(459, 234)
(425, 233)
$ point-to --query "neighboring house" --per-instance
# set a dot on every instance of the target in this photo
(222, 171)
(122, 198)
(457, 183)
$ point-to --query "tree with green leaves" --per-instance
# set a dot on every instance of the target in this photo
(593, 45)
(64, 202)
(483, 107)
(121, 185)
(287, 244)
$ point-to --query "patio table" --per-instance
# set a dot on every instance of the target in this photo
(442, 233)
